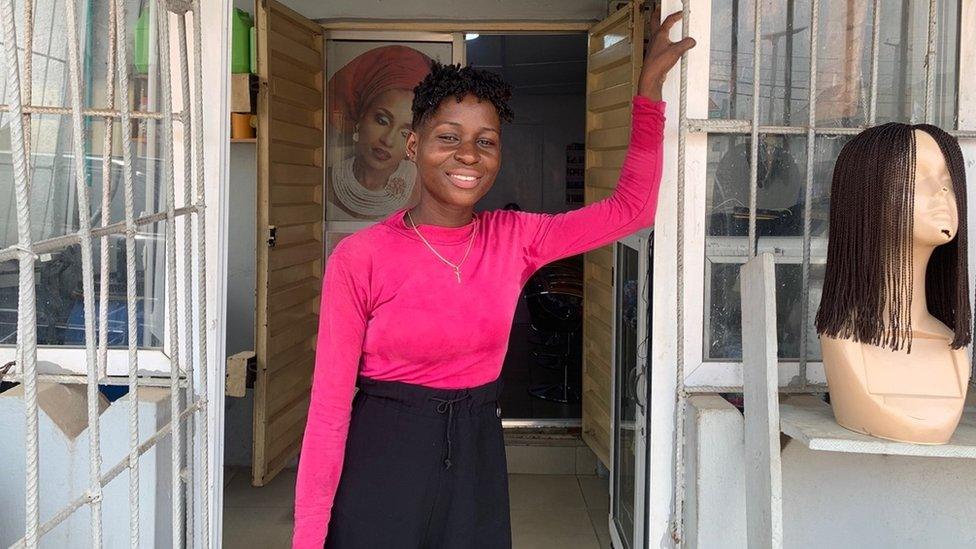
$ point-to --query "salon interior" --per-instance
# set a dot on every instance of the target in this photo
(555, 412)
(603, 449)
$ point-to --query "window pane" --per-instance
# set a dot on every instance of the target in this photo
(53, 165)
(901, 64)
(784, 69)
(723, 331)
(625, 436)
(49, 59)
(844, 61)
(843, 97)
(60, 305)
(60, 317)
(779, 230)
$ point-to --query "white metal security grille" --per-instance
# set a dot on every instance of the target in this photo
(693, 9)
(184, 274)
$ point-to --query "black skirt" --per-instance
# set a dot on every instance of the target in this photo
(423, 468)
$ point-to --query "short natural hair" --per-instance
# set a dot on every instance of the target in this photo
(867, 287)
(456, 81)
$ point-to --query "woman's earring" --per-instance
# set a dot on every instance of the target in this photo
(355, 134)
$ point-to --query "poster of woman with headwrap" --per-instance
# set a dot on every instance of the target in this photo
(369, 102)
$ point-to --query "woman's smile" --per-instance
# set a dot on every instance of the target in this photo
(464, 179)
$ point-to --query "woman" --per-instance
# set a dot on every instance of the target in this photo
(370, 100)
(416, 311)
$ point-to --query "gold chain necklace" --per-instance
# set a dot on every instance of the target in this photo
(456, 268)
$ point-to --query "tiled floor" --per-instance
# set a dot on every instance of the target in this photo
(548, 511)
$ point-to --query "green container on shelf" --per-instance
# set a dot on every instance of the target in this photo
(240, 41)
(140, 40)
(254, 50)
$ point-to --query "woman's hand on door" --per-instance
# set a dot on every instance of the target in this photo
(661, 55)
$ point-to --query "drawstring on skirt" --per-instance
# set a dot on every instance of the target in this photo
(434, 402)
(447, 405)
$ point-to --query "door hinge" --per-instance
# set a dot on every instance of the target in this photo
(272, 236)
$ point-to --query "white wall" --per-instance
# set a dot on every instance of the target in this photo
(715, 483)
(241, 285)
(240, 248)
(238, 429)
(64, 474)
(829, 499)
(549, 10)
(860, 500)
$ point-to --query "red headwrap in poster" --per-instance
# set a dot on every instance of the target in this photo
(353, 87)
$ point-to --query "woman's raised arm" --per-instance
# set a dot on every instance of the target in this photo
(633, 204)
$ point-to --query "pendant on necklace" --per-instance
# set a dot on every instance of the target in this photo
(457, 273)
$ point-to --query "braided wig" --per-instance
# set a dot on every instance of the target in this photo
(867, 291)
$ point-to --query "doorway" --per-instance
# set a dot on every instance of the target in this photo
(573, 85)
(542, 171)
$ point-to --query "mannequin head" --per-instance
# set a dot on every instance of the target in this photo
(936, 215)
(899, 191)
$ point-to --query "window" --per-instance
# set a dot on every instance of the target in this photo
(54, 200)
(781, 205)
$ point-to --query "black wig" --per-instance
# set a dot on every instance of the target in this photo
(867, 287)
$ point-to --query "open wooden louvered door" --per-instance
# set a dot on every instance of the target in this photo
(616, 47)
(289, 241)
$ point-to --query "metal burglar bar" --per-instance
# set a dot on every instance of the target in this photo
(192, 408)
(808, 187)
(755, 129)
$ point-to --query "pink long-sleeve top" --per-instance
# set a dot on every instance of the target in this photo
(391, 310)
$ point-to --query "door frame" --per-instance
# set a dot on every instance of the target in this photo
(215, 75)
(481, 27)
(435, 31)
(387, 30)
(215, 92)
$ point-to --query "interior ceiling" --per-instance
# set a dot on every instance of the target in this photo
(534, 64)
(459, 10)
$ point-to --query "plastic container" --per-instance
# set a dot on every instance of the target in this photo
(140, 43)
(254, 50)
(241, 126)
(240, 41)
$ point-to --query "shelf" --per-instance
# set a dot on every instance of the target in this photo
(244, 140)
(810, 421)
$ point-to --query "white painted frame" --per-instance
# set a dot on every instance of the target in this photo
(664, 334)
(76, 365)
(216, 147)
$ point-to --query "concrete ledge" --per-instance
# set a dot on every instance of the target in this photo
(810, 421)
(715, 503)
